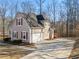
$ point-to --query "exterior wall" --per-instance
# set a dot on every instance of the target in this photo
(37, 35)
(20, 28)
(51, 35)
(35, 30)
(46, 34)
(34, 34)
(46, 30)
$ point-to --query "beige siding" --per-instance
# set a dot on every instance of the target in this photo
(46, 30)
(20, 28)
(34, 34)
(35, 30)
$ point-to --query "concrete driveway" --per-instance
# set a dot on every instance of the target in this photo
(55, 49)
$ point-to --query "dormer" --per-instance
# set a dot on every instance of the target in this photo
(40, 19)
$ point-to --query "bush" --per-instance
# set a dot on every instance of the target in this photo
(7, 39)
(16, 42)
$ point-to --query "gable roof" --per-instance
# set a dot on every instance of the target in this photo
(32, 22)
(32, 19)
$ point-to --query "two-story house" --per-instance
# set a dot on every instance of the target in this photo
(30, 28)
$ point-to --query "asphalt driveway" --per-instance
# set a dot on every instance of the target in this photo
(54, 49)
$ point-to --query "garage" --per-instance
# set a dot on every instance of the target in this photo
(36, 37)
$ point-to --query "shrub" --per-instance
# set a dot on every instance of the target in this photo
(16, 42)
(7, 39)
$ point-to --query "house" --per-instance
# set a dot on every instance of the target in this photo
(30, 28)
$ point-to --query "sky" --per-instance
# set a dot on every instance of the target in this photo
(10, 3)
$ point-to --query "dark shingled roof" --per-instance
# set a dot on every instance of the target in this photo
(32, 19)
(33, 23)
(40, 17)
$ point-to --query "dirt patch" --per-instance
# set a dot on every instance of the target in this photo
(74, 54)
(11, 52)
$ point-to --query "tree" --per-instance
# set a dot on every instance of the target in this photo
(3, 11)
(16, 6)
(48, 10)
(40, 4)
(71, 6)
(61, 20)
(13, 9)
(27, 7)
(52, 9)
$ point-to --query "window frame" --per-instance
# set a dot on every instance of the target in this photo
(24, 33)
(19, 21)
(15, 34)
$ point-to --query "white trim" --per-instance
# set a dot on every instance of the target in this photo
(30, 33)
(23, 34)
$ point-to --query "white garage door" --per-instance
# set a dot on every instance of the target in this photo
(36, 37)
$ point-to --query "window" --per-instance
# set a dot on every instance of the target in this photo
(24, 35)
(15, 34)
(19, 21)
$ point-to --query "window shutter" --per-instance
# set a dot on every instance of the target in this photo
(17, 34)
(21, 21)
(21, 35)
(26, 35)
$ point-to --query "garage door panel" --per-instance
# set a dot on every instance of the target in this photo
(36, 37)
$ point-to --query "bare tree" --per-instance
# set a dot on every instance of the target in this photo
(51, 9)
(71, 6)
(12, 11)
(16, 6)
(40, 4)
(54, 10)
(61, 20)
(27, 7)
(3, 10)
(48, 10)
